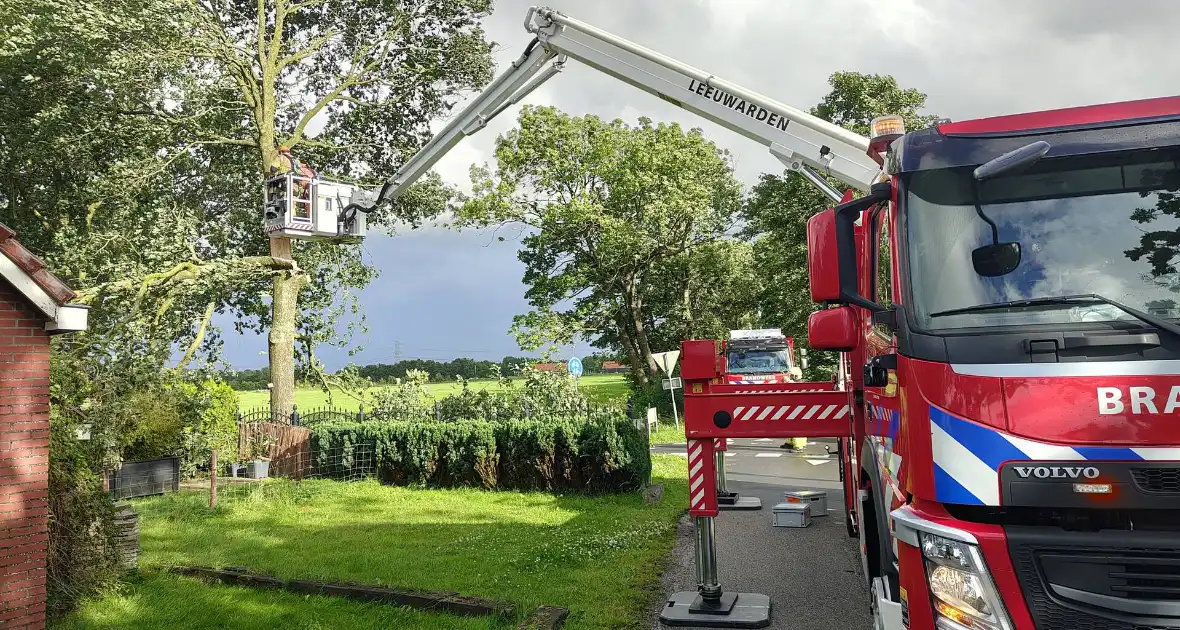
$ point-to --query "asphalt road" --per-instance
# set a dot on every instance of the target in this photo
(812, 575)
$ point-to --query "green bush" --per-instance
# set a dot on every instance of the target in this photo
(183, 419)
(82, 558)
(653, 395)
(405, 401)
(603, 454)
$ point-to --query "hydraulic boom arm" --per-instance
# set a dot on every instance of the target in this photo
(804, 143)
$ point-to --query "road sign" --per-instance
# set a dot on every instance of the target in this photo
(667, 360)
(575, 366)
(672, 383)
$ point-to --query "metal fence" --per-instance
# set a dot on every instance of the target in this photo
(220, 482)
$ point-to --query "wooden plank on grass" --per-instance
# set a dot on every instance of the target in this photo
(445, 601)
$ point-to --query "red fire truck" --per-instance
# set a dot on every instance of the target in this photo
(762, 355)
(1003, 296)
(1003, 301)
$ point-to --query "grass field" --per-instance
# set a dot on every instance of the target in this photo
(601, 388)
(668, 433)
(160, 600)
(598, 556)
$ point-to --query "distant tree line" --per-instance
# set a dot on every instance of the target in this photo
(439, 371)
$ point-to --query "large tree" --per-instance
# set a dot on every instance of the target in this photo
(700, 294)
(778, 207)
(603, 204)
(371, 74)
(177, 108)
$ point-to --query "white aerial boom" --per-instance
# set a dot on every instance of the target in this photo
(804, 143)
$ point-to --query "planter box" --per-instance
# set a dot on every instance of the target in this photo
(258, 469)
(146, 478)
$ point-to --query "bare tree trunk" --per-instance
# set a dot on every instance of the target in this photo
(633, 357)
(281, 342)
(634, 306)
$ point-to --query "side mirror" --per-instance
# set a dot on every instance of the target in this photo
(823, 257)
(996, 260)
(803, 353)
(833, 329)
(831, 249)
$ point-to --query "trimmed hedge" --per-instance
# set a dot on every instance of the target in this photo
(598, 455)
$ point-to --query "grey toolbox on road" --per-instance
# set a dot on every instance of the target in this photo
(817, 499)
(791, 515)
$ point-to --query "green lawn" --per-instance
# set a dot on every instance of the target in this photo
(668, 433)
(160, 600)
(597, 556)
(601, 388)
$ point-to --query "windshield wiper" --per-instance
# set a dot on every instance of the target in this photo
(1092, 298)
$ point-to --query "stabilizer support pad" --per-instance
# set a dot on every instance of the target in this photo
(741, 503)
(749, 610)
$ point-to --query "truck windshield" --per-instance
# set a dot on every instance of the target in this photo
(759, 361)
(1108, 225)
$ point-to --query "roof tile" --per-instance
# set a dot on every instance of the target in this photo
(30, 264)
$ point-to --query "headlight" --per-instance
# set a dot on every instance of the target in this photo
(964, 596)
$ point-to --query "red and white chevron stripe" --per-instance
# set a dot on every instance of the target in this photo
(702, 489)
(790, 412)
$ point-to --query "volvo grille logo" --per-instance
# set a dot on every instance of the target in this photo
(1056, 472)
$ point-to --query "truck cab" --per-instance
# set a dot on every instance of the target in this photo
(760, 356)
(1007, 300)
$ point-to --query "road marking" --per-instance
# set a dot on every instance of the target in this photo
(817, 462)
(768, 455)
(728, 454)
(764, 440)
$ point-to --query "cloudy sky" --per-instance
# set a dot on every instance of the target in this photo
(444, 294)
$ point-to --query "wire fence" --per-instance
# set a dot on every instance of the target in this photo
(158, 487)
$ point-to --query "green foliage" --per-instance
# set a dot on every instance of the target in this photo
(602, 204)
(602, 454)
(653, 395)
(82, 558)
(185, 419)
(407, 400)
(777, 209)
(857, 98)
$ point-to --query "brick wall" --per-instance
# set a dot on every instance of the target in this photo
(24, 461)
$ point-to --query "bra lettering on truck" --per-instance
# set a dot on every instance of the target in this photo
(1137, 400)
(739, 105)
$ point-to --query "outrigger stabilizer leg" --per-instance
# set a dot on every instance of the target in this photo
(727, 500)
(709, 606)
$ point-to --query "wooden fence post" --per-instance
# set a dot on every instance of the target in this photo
(213, 479)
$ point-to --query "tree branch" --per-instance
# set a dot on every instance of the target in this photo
(181, 272)
(352, 80)
(192, 348)
(308, 50)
